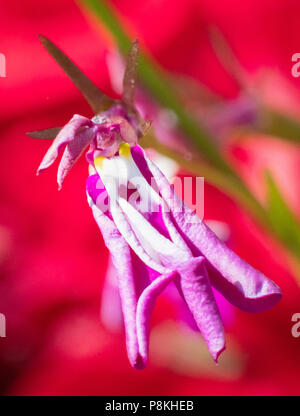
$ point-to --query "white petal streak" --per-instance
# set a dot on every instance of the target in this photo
(160, 244)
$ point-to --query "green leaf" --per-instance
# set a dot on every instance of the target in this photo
(282, 220)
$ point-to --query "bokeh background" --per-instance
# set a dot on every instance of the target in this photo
(52, 257)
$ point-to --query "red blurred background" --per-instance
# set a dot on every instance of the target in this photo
(52, 257)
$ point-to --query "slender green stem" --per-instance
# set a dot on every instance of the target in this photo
(279, 124)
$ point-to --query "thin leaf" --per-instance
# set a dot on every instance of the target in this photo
(282, 219)
(130, 75)
(96, 99)
(45, 133)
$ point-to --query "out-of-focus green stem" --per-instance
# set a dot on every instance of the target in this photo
(278, 124)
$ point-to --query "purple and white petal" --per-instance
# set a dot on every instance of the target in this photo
(198, 294)
(145, 307)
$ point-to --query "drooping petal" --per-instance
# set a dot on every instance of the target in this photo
(138, 294)
(66, 134)
(195, 285)
(240, 283)
(122, 261)
(73, 151)
(144, 311)
(199, 297)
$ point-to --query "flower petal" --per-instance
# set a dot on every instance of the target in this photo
(122, 261)
(144, 311)
(66, 134)
(113, 172)
(73, 151)
(137, 295)
(199, 297)
(126, 131)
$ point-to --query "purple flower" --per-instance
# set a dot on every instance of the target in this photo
(104, 134)
(153, 237)
(151, 249)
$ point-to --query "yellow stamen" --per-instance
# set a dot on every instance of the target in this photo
(124, 150)
(98, 162)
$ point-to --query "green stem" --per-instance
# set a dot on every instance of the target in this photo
(279, 124)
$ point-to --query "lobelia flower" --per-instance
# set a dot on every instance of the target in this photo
(154, 238)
